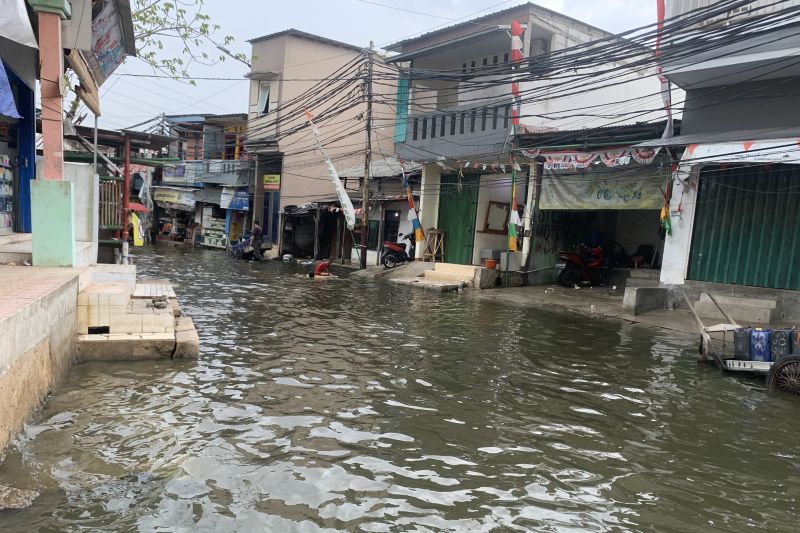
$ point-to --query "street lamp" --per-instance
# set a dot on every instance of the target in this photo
(227, 52)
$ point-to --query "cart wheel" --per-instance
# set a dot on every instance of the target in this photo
(785, 375)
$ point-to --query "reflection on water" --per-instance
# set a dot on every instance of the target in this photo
(345, 405)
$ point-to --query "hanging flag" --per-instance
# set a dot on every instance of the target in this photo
(7, 105)
(413, 215)
(341, 192)
(138, 230)
(516, 41)
(513, 219)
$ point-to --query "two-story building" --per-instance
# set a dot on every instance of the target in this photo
(734, 207)
(293, 71)
(205, 195)
(455, 114)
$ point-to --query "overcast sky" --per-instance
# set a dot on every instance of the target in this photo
(127, 101)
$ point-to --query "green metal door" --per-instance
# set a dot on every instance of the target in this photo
(747, 227)
(458, 205)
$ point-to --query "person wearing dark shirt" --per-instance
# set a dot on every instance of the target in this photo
(256, 237)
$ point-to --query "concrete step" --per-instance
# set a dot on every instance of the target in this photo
(104, 273)
(12, 238)
(429, 285)
(21, 250)
(15, 253)
(461, 271)
(448, 277)
(124, 347)
(745, 310)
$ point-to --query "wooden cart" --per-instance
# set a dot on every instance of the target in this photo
(781, 375)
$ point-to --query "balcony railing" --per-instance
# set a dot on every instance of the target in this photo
(457, 132)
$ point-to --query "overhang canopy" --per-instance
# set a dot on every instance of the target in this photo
(722, 137)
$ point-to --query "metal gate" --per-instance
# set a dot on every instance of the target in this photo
(458, 206)
(747, 227)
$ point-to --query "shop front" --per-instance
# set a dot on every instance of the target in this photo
(735, 217)
(236, 203)
(177, 224)
(611, 199)
(17, 144)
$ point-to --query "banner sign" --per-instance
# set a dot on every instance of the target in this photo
(108, 44)
(175, 198)
(598, 188)
(619, 157)
(271, 182)
(236, 199)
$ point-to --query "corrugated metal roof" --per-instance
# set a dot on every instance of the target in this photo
(306, 35)
(724, 136)
(382, 168)
(400, 46)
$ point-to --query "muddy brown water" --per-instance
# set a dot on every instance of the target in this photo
(360, 406)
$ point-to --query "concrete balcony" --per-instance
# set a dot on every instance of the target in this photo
(458, 133)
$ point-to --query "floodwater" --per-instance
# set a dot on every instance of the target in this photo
(359, 406)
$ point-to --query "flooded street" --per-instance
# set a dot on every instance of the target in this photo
(353, 405)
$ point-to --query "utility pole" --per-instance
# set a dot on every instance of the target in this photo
(367, 164)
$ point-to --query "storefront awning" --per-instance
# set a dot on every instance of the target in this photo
(785, 150)
(723, 137)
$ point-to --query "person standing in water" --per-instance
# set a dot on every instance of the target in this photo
(256, 238)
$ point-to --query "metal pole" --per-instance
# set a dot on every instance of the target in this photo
(94, 159)
(367, 162)
(126, 191)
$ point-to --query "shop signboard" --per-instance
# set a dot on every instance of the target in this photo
(233, 198)
(271, 182)
(174, 198)
(108, 44)
(602, 188)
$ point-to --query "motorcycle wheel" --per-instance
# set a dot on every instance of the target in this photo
(569, 277)
(390, 261)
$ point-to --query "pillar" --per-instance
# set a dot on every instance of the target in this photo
(429, 201)
(52, 198)
(675, 263)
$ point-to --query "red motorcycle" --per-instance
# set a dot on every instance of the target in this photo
(395, 254)
(585, 266)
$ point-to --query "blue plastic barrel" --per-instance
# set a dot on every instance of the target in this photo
(741, 343)
(781, 343)
(760, 345)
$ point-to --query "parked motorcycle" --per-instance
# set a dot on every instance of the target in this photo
(395, 254)
(585, 266)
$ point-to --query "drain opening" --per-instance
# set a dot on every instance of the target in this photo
(99, 330)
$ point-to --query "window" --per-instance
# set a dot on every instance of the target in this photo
(464, 68)
(494, 60)
(485, 61)
(442, 125)
(461, 124)
(263, 98)
(424, 128)
(505, 57)
(433, 127)
(416, 129)
(495, 112)
(453, 124)
(506, 116)
(472, 66)
(483, 119)
(472, 120)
